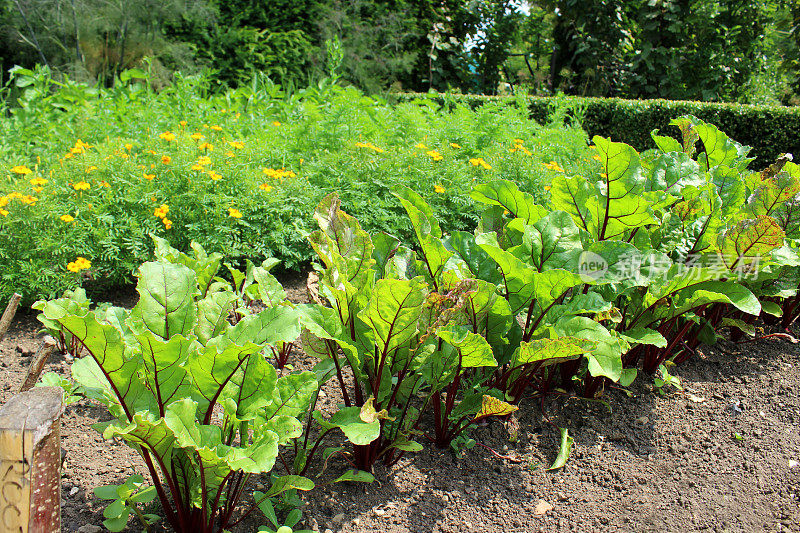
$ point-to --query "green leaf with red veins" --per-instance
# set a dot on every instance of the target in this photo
(664, 143)
(671, 172)
(166, 304)
(772, 194)
(719, 149)
(212, 370)
(473, 348)
(465, 249)
(251, 386)
(553, 241)
(605, 359)
(115, 370)
(731, 191)
(434, 255)
(574, 195)
(744, 244)
(163, 365)
(212, 315)
(552, 351)
(507, 195)
(618, 205)
(393, 311)
(341, 242)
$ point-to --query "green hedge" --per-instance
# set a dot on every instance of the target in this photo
(770, 130)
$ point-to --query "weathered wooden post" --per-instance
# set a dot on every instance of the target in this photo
(30, 462)
(8, 314)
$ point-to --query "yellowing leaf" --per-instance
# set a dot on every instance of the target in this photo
(491, 406)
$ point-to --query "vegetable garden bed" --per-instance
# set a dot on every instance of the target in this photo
(645, 463)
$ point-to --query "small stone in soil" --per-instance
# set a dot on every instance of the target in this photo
(542, 507)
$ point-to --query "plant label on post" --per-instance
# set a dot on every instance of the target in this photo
(30, 462)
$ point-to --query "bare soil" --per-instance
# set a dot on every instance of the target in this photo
(721, 456)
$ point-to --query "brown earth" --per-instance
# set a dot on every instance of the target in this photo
(721, 456)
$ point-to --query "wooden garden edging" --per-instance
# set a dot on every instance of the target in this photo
(30, 462)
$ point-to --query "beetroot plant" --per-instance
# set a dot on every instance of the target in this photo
(188, 389)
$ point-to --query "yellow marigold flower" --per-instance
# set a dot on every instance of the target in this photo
(206, 146)
(604, 175)
(161, 211)
(552, 165)
(81, 186)
(265, 187)
(479, 162)
(370, 146)
(28, 199)
(198, 167)
(519, 141)
(203, 160)
(21, 169)
(455, 145)
(90, 169)
(38, 181)
(14, 194)
(183, 123)
(197, 136)
(38, 189)
(439, 189)
(81, 263)
(103, 183)
(506, 212)
(512, 150)
(524, 150)
(214, 176)
(149, 177)
(433, 154)
(128, 146)
(236, 144)
(124, 156)
(3, 212)
(234, 213)
(229, 154)
(67, 156)
(4, 201)
(166, 159)
(167, 223)
(596, 157)
(216, 128)
(547, 187)
(167, 136)
(276, 123)
(67, 218)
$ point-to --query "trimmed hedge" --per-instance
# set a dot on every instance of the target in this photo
(769, 130)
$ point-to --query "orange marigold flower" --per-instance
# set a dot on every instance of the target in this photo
(67, 218)
(167, 223)
(149, 177)
(166, 159)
